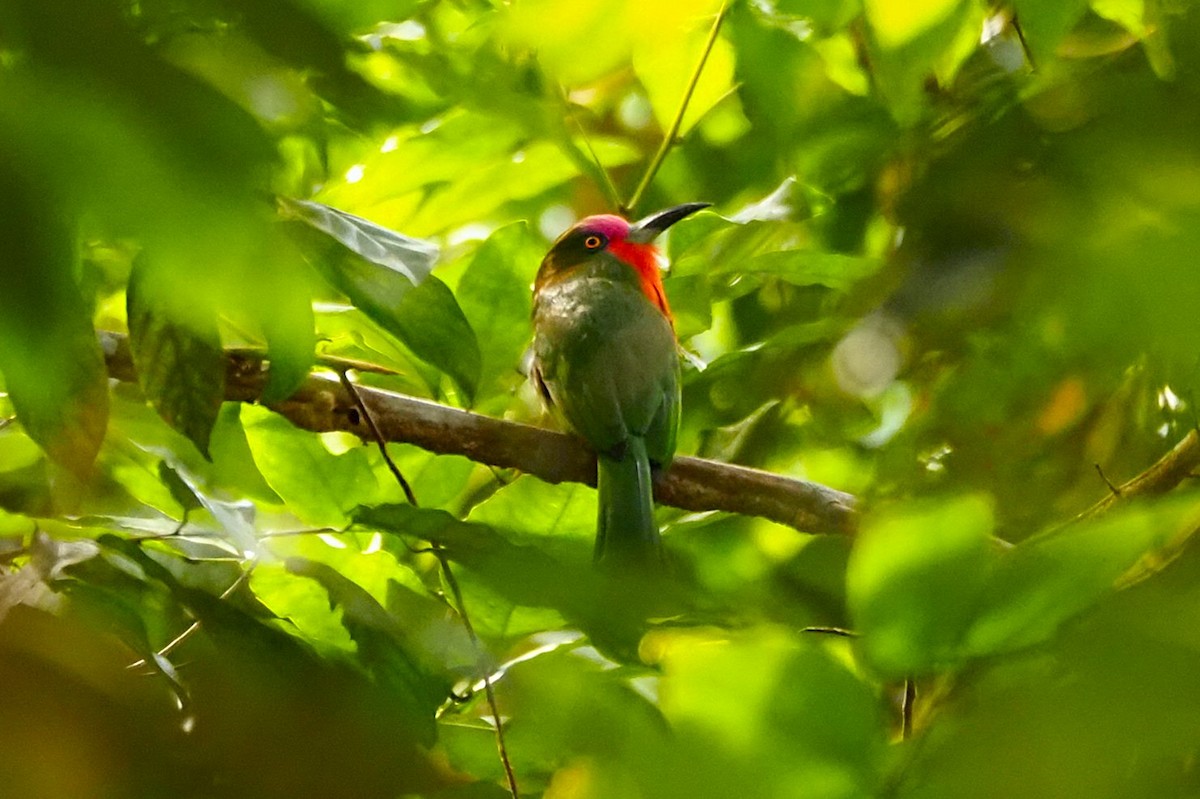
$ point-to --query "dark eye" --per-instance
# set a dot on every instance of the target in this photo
(593, 242)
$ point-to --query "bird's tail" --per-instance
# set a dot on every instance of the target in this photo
(626, 533)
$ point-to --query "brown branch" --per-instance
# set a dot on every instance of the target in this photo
(321, 404)
(1167, 472)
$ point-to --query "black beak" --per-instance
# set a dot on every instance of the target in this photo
(645, 230)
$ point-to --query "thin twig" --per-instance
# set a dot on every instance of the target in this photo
(1016, 23)
(839, 631)
(488, 690)
(1167, 472)
(448, 573)
(673, 132)
(379, 441)
(906, 709)
(1100, 471)
(195, 625)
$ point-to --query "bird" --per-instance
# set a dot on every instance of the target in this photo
(606, 360)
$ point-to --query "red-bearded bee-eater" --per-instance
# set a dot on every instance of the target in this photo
(605, 356)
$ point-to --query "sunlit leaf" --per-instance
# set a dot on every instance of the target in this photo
(383, 646)
(386, 275)
(799, 700)
(376, 245)
(318, 486)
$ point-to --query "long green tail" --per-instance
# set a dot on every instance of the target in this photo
(626, 533)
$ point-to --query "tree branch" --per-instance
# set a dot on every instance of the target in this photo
(321, 404)
(1167, 472)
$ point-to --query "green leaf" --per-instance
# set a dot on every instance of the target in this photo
(305, 604)
(411, 258)
(913, 581)
(52, 364)
(1045, 25)
(541, 511)
(812, 268)
(386, 276)
(430, 322)
(233, 466)
(383, 647)
(180, 491)
(1043, 582)
(318, 486)
(177, 353)
(495, 297)
(612, 613)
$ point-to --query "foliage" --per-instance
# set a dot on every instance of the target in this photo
(945, 272)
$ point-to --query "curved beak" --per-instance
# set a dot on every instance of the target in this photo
(645, 230)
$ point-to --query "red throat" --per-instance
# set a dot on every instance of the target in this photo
(644, 260)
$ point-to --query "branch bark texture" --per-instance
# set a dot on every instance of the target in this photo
(1167, 472)
(322, 404)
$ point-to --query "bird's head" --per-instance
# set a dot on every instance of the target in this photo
(631, 244)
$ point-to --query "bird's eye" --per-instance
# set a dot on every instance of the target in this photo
(593, 242)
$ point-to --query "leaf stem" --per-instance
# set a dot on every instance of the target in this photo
(673, 132)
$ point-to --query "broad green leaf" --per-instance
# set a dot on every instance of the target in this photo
(383, 647)
(233, 466)
(494, 293)
(177, 352)
(613, 613)
(319, 487)
(1045, 581)
(386, 276)
(430, 322)
(304, 603)
(539, 510)
(348, 333)
(690, 299)
(147, 478)
(438, 481)
(52, 364)
(914, 580)
(917, 40)
(180, 491)
(523, 173)
(376, 245)
(807, 268)
(565, 36)
(1046, 24)
(1129, 14)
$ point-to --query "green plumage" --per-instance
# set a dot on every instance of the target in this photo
(606, 357)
